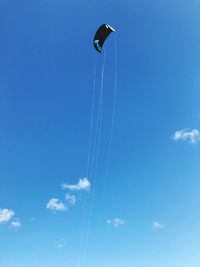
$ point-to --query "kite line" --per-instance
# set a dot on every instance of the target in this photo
(95, 140)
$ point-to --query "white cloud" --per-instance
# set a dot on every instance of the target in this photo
(83, 184)
(15, 224)
(6, 215)
(116, 222)
(71, 199)
(55, 205)
(193, 136)
(157, 226)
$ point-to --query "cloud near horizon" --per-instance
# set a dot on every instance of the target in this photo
(116, 222)
(32, 219)
(71, 199)
(55, 205)
(6, 215)
(193, 136)
(60, 244)
(157, 226)
(15, 224)
(83, 184)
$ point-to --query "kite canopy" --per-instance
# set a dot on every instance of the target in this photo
(101, 35)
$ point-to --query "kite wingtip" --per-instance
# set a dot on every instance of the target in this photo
(112, 28)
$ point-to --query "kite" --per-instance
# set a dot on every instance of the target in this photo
(101, 35)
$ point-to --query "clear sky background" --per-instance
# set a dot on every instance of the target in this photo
(148, 213)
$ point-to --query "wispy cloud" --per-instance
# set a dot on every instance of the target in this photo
(32, 219)
(15, 224)
(60, 244)
(116, 222)
(193, 136)
(157, 226)
(71, 199)
(6, 215)
(83, 184)
(55, 205)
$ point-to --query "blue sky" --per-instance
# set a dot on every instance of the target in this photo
(146, 211)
